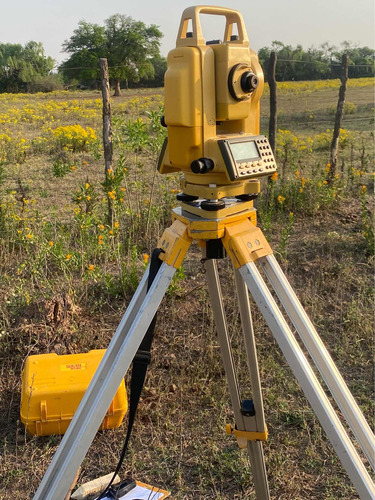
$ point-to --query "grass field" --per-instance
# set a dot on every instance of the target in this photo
(67, 274)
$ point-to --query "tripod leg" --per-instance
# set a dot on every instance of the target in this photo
(244, 423)
(250, 346)
(255, 448)
(174, 244)
(308, 381)
(321, 357)
(103, 386)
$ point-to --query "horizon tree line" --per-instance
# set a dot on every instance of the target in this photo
(133, 52)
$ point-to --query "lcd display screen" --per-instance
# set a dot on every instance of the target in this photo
(244, 151)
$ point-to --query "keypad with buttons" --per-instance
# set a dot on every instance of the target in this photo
(260, 162)
(265, 165)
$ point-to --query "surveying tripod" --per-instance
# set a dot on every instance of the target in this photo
(245, 245)
(212, 93)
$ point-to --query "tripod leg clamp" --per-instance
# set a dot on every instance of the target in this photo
(174, 243)
(245, 243)
(244, 436)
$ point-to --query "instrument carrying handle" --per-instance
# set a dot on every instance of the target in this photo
(195, 38)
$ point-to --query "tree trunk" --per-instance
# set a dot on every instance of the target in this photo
(117, 88)
(107, 129)
(273, 101)
(338, 120)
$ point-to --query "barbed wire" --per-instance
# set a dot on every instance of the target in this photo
(278, 60)
(326, 63)
(313, 122)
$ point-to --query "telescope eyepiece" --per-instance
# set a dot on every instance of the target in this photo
(249, 82)
(242, 81)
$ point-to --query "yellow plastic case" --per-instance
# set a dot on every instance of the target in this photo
(53, 386)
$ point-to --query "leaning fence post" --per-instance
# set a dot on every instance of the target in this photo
(107, 129)
(338, 120)
(273, 101)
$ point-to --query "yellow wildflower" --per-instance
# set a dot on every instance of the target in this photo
(145, 257)
(274, 176)
(91, 268)
(50, 243)
(68, 257)
(116, 225)
(363, 189)
(280, 199)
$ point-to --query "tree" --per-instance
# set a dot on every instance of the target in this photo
(128, 45)
(21, 66)
(86, 45)
(160, 67)
(317, 63)
(361, 59)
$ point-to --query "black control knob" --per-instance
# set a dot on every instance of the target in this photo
(249, 82)
(202, 166)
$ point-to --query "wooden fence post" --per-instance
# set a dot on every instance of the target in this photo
(273, 101)
(338, 120)
(107, 129)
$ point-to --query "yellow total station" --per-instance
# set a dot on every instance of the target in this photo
(212, 94)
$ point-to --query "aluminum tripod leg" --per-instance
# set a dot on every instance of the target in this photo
(94, 404)
(244, 423)
(255, 448)
(321, 357)
(309, 383)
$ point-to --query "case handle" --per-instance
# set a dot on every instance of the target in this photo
(196, 38)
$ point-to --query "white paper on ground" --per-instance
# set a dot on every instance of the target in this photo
(141, 493)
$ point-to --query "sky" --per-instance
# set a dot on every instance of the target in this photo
(305, 22)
